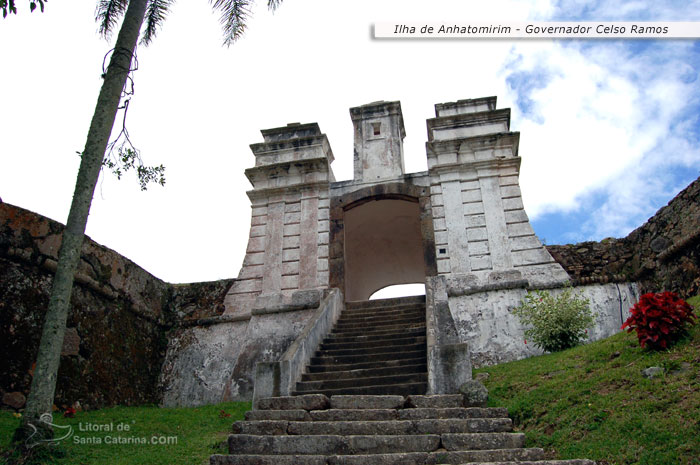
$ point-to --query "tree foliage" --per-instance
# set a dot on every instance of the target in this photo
(115, 80)
(9, 6)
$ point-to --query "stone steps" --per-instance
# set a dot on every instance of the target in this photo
(389, 346)
(342, 367)
(354, 336)
(317, 386)
(392, 313)
(380, 324)
(347, 359)
(376, 330)
(377, 430)
(375, 343)
(375, 347)
(365, 373)
(403, 389)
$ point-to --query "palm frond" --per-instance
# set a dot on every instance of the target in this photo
(155, 15)
(234, 14)
(108, 13)
(273, 4)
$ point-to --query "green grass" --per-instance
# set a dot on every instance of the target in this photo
(587, 402)
(191, 435)
(592, 401)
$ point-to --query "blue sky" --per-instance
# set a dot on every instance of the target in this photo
(641, 96)
(608, 130)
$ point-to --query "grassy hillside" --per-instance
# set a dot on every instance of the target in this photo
(588, 402)
(593, 402)
(177, 436)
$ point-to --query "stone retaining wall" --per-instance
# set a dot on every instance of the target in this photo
(662, 254)
(118, 325)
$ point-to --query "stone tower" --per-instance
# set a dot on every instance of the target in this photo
(459, 228)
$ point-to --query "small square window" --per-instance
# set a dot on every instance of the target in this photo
(376, 128)
(443, 250)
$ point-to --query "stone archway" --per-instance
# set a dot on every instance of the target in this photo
(380, 235)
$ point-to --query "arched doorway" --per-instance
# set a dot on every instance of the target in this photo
(380, 236)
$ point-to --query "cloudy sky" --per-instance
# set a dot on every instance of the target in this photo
(609, 129)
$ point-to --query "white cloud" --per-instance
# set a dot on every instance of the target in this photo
(605, 118)
(198, 106)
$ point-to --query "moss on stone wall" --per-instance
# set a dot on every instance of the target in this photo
(118, 325)
(662, 254)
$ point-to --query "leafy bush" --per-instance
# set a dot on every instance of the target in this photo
(555, 323)
(659, 319)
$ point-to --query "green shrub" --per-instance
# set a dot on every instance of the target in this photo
(555, 323)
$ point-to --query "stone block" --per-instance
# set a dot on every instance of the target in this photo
(256, 244)
(254, 258)
(441, 401)
(510, 191)
(470, 185)
(473, 208)
(477, 234)
(293, 229)
(290, 268)
(323, 238)
(306, 402)
(443, 265)
(258, 220)
(478, 248)
(257, 231)
(366, 402)
(16, 400)
(475, 221)
(508, 180)
(516, 216)
(440, 237)
(292, 207)
(290, 255)
(290, 242)
(71, 342)
(520, 229)
(251, 271)
(515, 203)
(470, 196)
(474, 393)
(524, 243)
(292, 218)
(531, 257)
(286, 301)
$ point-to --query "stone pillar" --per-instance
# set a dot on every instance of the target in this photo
(379, 134)
(482, 232)
(288, 244)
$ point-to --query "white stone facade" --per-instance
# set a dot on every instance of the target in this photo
(460, 228)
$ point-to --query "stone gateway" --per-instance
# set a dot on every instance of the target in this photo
(316, 244)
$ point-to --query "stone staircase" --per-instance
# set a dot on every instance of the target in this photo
(361, 402)
(376, 347)
(377, 430)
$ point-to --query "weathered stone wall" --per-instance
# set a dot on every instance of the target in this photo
(662, 254)
(484, 319)
(118, 324)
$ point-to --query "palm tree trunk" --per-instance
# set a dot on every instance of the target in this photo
(43, 386)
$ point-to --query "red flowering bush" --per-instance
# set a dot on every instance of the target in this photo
(659, 319)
